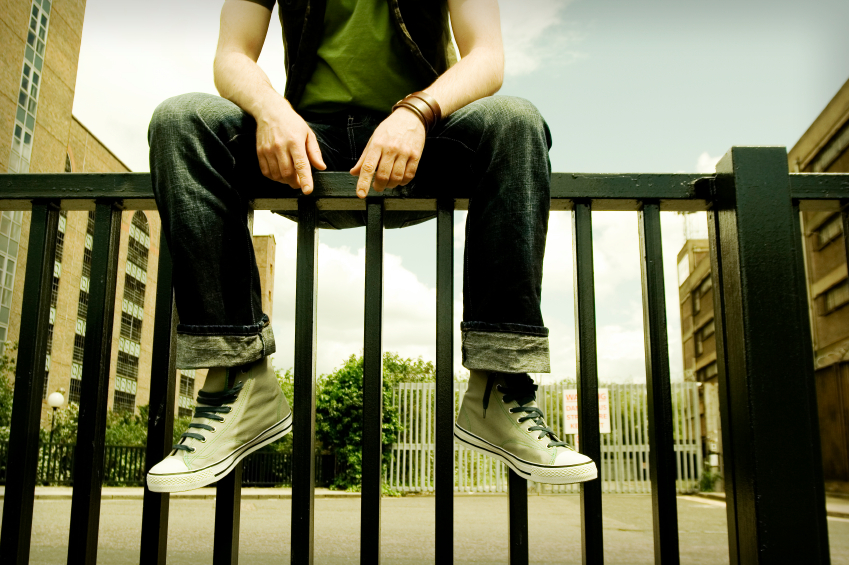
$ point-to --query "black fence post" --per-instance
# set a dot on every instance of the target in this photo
(662, 465)
(303, 413)
(228, 505)
(160, 418)
(91, 431)
(722, 378)
(517, 496)
(592, 541)
(372, 387)
(444, 433)
(770, 407)
(29, 383)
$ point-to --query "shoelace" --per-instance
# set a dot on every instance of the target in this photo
(523, 393)
(215, 405)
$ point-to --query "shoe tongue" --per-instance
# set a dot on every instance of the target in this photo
(216, 380)
(521, 388)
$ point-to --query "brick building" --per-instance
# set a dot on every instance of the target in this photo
(40, 44)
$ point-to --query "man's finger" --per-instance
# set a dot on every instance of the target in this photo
(287, 172)
(264, 167)
(410, 171)
(314, 152)
(397, 175)
(384, 170)
(367, 170)
(302, 169)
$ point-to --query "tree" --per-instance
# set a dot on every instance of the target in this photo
(339, 411)
(7, 389)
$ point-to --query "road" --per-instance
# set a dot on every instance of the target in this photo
(408, 522)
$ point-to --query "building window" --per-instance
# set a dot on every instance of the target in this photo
(10, 236)
(124, 402)
(706, 373)
(185, 403)
(828, 232)
(82, 306)
(74, 394)
(24, 124)
(833, 298)
(700, 291)
(701, 334)
(132, 314)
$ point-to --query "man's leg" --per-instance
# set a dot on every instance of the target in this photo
(202, 156)
(499, 145)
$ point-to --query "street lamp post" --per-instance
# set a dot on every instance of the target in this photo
(55, 400)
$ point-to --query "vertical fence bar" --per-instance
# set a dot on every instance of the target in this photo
(228, 501)
(585, 347)
(29, 383)
(372, 386)
(517, 492)
(662, 464)
(91, 430)
(228, 495)
(160, 423)
(303, 441)
(769, 364)
(444, 433)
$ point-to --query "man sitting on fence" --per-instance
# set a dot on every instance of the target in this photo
(348, 63)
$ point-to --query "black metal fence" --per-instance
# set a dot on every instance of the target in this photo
(773, 475)
(125, 466)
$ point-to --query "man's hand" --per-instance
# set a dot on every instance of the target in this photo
(286, 146)
(392, 154)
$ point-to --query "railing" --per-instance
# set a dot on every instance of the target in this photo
(624, 463)
(125, 466)
(773, 475)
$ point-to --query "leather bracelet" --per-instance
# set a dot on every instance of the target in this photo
(421, 110)
(424, 106)
(432, 103)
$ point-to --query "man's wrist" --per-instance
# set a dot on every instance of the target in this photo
(424, 106)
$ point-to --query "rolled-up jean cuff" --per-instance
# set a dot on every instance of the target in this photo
(506, 351)
(201, 351)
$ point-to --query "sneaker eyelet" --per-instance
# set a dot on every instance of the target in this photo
(213, 429)
(203, 440)
(192, 450)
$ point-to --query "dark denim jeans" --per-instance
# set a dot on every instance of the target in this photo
(203, 164)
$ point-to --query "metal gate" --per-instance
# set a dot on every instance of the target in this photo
(624, 463)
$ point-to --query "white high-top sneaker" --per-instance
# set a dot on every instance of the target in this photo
(499, 417)
(239, 410)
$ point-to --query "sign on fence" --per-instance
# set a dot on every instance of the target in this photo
(570, 411)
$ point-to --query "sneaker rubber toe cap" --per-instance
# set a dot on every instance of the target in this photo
(169, 466)
(572, 458)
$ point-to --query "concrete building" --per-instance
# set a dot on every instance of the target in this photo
(695, 293)
(40, 44)
(824, 148)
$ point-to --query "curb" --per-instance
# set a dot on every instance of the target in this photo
(721, 497)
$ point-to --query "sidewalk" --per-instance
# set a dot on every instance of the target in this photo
(836, 507)
(137, 493)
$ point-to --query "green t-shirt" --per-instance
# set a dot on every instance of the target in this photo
(361, 61)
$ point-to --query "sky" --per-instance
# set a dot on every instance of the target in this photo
(625, 86)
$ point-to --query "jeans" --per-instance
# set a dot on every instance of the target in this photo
(203, 164)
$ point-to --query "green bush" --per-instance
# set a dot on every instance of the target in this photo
(339, 411)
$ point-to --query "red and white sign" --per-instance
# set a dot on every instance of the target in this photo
(570, 411)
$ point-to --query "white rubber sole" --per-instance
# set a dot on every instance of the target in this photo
(197, 478)
(549, 474)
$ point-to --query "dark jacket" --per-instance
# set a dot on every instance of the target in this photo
(422, 25)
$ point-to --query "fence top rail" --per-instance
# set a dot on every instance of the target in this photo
(336, 191)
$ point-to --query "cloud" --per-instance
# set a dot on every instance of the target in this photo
(524, 25)
(706, 164)
(409, 307)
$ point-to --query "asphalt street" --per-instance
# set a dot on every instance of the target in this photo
(480, 525)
